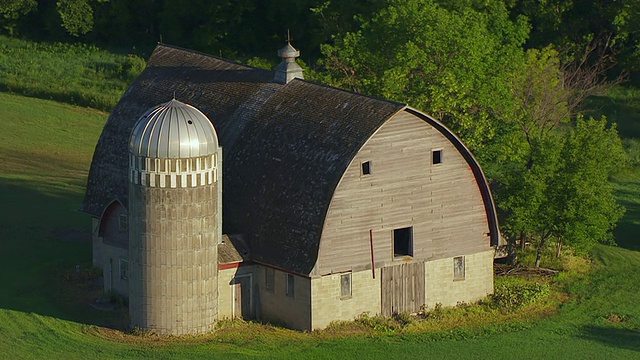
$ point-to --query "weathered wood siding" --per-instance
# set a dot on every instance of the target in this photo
(402, 288)
(442, 202)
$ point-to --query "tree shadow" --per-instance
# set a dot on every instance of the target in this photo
(628, 228)
(614, 337)
(45, 250)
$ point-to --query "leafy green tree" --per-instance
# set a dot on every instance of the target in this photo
(588, 212)
(76, 15)
(453, 62)
(585, 30)
(13, 10)
(549, 184)
(523, 191)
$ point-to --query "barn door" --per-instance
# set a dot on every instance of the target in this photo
(242, 297)
(402, 288)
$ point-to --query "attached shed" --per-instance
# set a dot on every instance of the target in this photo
(342, 203)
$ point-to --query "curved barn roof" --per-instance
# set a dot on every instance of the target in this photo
(285, 146)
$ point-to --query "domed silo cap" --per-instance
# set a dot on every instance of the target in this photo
(173, 130)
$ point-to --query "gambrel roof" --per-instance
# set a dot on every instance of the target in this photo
(285, 147)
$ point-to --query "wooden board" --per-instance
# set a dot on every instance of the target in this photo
(403, 288)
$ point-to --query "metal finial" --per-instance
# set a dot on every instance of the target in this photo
(174, 94)
(288, 37)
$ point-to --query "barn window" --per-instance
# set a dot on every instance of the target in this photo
(366, 168)
(436, 156)
(345, 286)
(123, 222)
(458, 268)
(269, 279)
(290, 283)
(403, 242)
(124, 269)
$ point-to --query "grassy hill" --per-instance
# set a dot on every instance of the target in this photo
(45, 152)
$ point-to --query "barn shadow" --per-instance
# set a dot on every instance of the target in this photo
(614, 337)
(45, 251)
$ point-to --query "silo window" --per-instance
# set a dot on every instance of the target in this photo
(403, 242)
(436, 155)
(290, 283)
(366, 168)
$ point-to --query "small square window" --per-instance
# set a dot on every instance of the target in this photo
(269, 279)
(345, 286)
(403, 242)
(290, 283)
(123, 222)
(124, 269)
(436, 156)
(458, 268)
(366, 168)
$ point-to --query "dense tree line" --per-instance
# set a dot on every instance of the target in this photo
(247, 28)
(509, 76)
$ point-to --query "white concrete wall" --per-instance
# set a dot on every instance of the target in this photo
(441, 287)
(276, 307)
(225, 289)
(328, 305)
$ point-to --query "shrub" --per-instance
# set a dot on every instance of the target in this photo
(514, 293)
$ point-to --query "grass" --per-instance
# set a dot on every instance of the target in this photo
(74, 74)
(45, 151)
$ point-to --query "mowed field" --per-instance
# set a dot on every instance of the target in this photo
(45, 152)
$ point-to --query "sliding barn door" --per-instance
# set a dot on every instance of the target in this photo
(402, 288)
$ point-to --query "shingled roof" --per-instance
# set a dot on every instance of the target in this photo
(285, 146)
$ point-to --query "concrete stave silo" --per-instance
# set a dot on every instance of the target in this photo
(174, 220)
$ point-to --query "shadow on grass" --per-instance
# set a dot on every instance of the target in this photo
(626, 233)
(42, 240)
(623, 111)
(614, 337)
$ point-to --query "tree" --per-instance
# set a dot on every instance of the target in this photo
(588, 209)
(452, 61)
(76, 15)
(608, 28)
(12, 10)
(549, 184)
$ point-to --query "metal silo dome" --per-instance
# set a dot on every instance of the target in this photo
(173, 130)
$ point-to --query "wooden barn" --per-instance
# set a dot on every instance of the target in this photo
(333, 203)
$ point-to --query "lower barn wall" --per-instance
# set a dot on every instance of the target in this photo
(113, 279)
(226, 290)
(276, 307)
(328, 305)
(477, 283)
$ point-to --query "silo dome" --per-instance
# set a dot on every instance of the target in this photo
(173, 130)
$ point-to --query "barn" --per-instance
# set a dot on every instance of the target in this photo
(316, 204)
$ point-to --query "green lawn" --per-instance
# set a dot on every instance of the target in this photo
(75, 74)
(45, 151)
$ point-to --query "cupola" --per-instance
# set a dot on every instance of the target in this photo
(288, 69)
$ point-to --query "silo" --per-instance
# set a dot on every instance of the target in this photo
(174, 220)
